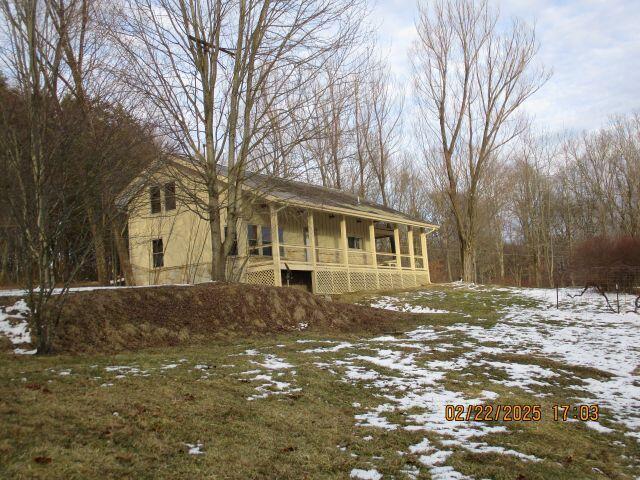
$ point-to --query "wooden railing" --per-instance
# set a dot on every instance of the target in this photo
(333, 257)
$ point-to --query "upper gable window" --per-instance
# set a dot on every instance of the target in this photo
(170, 196)
(156, 202)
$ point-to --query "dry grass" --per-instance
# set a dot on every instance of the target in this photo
(66, 426)
(110, 321)
(71, 420)
(70, 426)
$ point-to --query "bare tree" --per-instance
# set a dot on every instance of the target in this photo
(329, 153)
(218, 74)
(532, 201)
(604, 165)
(32, 153)
(110, 152)
(471, 78)
(381, 113)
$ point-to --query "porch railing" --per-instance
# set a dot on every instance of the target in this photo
(333, 256)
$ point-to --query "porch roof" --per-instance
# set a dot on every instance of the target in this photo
(316, 197)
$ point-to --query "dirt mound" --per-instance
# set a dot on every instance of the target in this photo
(132, 318)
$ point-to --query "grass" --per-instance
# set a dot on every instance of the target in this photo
(72, 420)
(78, 426)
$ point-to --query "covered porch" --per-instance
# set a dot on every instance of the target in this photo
(345, 253)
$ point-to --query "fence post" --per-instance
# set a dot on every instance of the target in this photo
(557, 296)
(618, 297)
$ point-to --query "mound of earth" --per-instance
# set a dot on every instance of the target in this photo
(131, 318)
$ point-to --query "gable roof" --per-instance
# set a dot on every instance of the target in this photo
(292, 192)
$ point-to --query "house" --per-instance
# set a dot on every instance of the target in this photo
(292, 233)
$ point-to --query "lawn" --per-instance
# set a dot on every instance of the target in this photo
(310, 405)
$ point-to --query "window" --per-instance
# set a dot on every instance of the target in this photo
(156, 203)
(170, 196)
(355, 243)
(266, 241)
(158, 253)
(252, 239)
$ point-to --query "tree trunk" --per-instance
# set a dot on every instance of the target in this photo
(468, 263)
(218, 264)
(448, 260)
(500, 245)
(123, 255)
(551, 265)
(537, 265)
(4, 262)
(43, 337)
(217, 249)
(101, 258)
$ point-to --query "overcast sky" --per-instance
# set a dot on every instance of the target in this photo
(592, 46)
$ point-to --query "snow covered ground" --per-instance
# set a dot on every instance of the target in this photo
(392, 303)
(410, 378)
(57, 291)
(582, 331)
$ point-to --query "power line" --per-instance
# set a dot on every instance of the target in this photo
(208, 46)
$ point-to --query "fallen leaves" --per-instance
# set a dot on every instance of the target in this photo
(37, 387)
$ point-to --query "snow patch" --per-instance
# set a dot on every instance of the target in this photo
(360, 474)
(270, 366)
(397, 305)
(14, 325)
(58, 291)
(195, 448)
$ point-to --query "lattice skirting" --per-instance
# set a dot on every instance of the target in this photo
(337, 281)
(357, 281)
(386, 280)
(327, 281)
(264, 277)
(331, 281)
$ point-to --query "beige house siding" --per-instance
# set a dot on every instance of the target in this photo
(187, 248)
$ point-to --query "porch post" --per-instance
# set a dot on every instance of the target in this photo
(312, 249)
(344, 246)
(425, 256)
(275, 245)
(412, 258)
(396, 241)
(372, 249)
(372, 244)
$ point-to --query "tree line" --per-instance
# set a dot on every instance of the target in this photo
(559, 210)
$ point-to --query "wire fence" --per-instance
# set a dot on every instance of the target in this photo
(614, 301)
